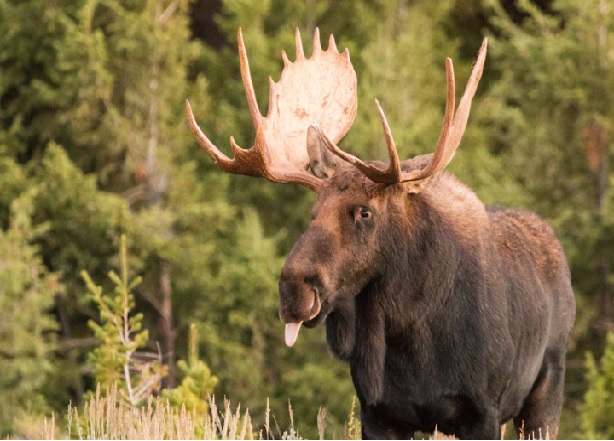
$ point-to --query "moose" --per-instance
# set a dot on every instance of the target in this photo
(452, 315)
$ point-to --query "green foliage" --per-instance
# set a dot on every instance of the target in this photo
(550, 112)
(27, 292)
(197, 384)
(29, 76)
(118, 360)
(125, 77)
(84, 223)
(554, 77)
(598, 406)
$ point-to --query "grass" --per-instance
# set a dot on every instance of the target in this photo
(106, 416)
(109, 417)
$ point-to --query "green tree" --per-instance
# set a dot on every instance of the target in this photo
(197, 383)
(29, 77)
(27, 292)
(118, 360)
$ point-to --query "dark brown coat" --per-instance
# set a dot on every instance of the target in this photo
(451, 314)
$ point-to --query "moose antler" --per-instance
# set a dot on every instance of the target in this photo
(320, 90)
(453, 128)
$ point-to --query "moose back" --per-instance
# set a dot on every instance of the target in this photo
(452, 314)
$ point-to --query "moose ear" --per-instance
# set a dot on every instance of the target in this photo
(416, 165)
(322, 162)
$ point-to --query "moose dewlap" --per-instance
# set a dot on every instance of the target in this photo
(450, 313)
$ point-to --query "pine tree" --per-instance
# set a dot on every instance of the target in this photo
(27, 292)
(119, 360)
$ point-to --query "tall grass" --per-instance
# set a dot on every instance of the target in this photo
(107, 416)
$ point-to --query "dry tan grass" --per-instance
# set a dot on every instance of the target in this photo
(108, 417)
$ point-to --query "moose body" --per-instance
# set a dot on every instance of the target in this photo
(452, 315)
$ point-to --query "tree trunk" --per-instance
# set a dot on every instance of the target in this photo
(167, 331)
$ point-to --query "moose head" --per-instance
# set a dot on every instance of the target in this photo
(311, 108)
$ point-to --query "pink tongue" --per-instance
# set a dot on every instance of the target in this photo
(292, 333)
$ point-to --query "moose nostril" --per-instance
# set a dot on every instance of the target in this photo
(315, 306)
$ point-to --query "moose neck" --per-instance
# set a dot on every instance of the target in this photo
(430, 248)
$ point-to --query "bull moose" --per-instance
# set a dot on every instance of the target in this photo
(452, 314)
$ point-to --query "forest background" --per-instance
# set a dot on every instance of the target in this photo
(94, 145)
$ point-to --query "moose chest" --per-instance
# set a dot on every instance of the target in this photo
(420, 377)
(417, 395)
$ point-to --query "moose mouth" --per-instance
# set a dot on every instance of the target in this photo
(318, 313)
(320, 317)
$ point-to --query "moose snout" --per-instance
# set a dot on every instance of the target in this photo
(299, 297)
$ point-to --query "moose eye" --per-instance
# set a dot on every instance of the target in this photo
(362, 213)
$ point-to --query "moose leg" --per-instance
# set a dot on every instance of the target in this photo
(539, 416)
(488, 426)
(377, 424)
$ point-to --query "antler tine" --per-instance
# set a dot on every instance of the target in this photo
(222, 161)
(441, 152)
(389, 175)
(334, 148)
(245, 162)
(284, 57)
(332, 45)
(394, 167)
(462, 112)
(317, 46)
(246, 76)
(300, 53)
(455, 122)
